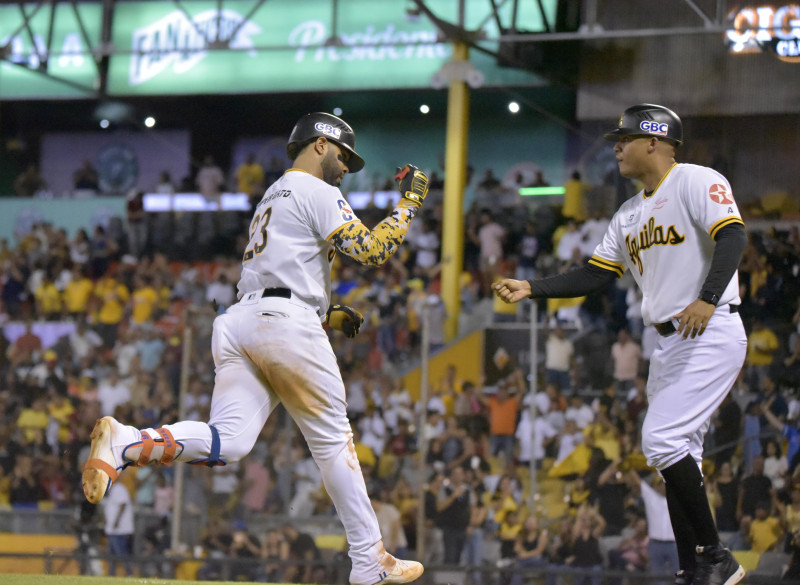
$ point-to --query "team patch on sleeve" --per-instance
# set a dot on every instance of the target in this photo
(720, 194)
(618, 269)
(345, 211)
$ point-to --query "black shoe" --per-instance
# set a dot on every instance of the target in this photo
(716, 566)
(683, 578)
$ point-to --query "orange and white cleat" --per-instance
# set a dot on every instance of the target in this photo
(102, 468)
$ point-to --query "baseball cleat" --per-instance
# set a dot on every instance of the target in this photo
(101, 469)
(683, 578)
(716, 566)
(402, 572)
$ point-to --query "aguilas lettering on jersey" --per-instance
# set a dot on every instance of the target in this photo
(649, 236)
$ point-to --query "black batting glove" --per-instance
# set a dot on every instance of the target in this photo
(345, 319)
(413, 184)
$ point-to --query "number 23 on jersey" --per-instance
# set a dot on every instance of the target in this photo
(258, 225)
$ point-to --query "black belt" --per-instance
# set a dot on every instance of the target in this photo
(277, 292)
(667, 328)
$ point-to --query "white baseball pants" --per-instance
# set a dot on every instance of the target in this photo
(688, 380)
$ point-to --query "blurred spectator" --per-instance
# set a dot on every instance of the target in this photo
(390, 522)
(776, 467)
(434, 541)
(727, 428)
(755, 487)
(29, 182)
(575, 191)
(25, 491)
(78, 294)
(48, 300)
(632, 553)
(762, 344)
(503, 409)
(626, 355)
(112, 297)
(112, 392)
(490, 237)
(144, 300)
(489, 181)
(86, 177)
(765, 531)
(210, 179)
(80, 248)
(27, 347)
(584, 548)
(454, 509)
(102, 250)
(662, 553)
(530, 547)
(250, 177)
(303, 552)
(244, 546)
(221, 291)
(728, 488)
(740, 540)
(119, 527)
(559, 354)
(136, 218)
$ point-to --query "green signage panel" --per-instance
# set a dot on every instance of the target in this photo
(51, 56)
(286, 45)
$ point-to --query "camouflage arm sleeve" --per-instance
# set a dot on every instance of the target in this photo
(374, 247)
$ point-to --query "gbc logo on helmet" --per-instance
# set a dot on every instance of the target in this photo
(328, 129)
(654, 127)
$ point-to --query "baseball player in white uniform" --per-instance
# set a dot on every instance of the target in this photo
(682, 239)
(271, 346)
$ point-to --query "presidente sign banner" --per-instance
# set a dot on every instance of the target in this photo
(286, 45)
(67, 69)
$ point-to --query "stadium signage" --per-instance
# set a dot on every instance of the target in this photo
(766, 28)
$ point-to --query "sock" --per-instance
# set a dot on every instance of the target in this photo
(685, 479)
(685, 538)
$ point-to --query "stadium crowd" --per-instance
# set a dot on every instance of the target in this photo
(94, 328)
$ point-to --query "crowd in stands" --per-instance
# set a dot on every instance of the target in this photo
(94, 326)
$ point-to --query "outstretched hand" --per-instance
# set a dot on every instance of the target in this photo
(693, 320)
(512, 291)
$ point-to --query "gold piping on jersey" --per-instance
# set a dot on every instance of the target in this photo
(731, 219)
(374, 248)
(296, 169)
(619, 269)
(661, 180)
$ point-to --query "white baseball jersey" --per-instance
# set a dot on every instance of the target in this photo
(288, 244)
(666, 239)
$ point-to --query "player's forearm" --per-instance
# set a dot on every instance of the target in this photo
(730, 244)
(575, 283)
(375, 247)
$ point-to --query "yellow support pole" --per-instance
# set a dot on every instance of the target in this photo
(455, 173)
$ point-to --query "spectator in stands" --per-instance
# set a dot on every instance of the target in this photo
(728, 488)
(25, 489)
(789, 515)
(530, 547)
(559, 358)
(727, 428)
(776, 467)
(426, 244)
(790, 431)
(756, 487)
(740, 540)
(209, 179)
(112, 297)
(303, 551)
(611, 493)
(503, 409)
(389, 521)
(575, 191)
(245, 547)
(33, 421)
(27, 347)
(119, 527)
(762, 345)
(770, 395)
(434, 541)
(490, 237)
(102, 250)
(766, 533)
(489, 181)
(48, 299)
(80, 248)
(626, 355)
(662, 553)
(584, 548)
(112, 392)
(632, 553)
(86, 177)
(454, 509)
(13, 280)
(250, 177)
(29, 182)
(136, 222)
(221, 291)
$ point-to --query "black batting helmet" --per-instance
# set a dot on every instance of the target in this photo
(648, 120)
(334, 129)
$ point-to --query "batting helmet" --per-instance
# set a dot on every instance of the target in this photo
(648, 120)
(334, 129)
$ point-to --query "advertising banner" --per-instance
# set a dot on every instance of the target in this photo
(64, 67)
(244, 46)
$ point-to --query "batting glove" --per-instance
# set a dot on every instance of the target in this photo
(413, 183)
(345, 319)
